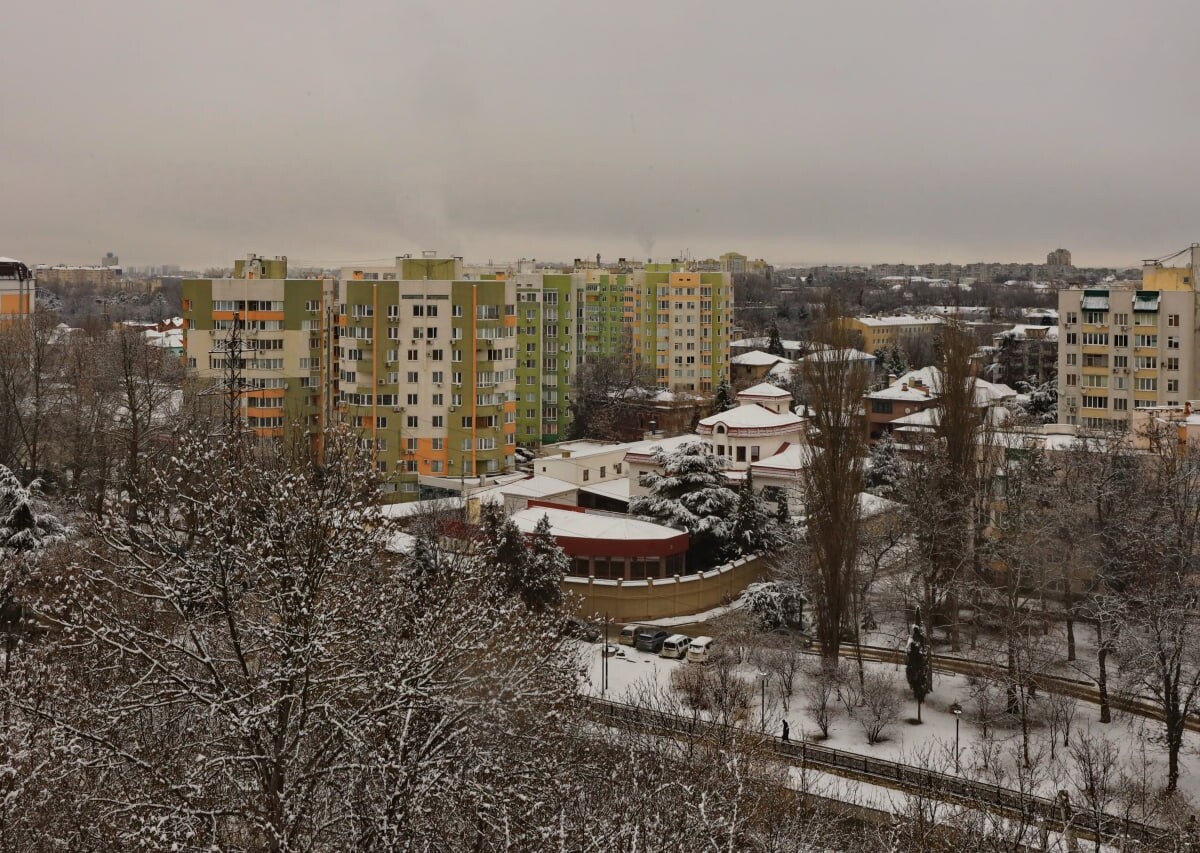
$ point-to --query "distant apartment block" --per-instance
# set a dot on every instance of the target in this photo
(1128, 345)
(92, 276)
(680, 321)
(17, 290)
(882, 332)
(427, 369)
(441, 369)
(287, 336)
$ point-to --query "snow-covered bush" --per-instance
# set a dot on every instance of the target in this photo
(879, 706)
(777, 604)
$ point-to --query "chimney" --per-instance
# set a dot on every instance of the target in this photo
(904, 387)
(892, 378)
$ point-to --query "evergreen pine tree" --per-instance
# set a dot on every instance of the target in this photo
(774, 344)
(884, 474)
(503, 548)
(751, 524)
(723, 400)
(547, 566)
(783, 516)
(691, 494)
(916, 668)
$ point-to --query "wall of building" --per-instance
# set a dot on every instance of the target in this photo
(629, 601)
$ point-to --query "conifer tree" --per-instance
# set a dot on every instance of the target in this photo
(751, 525)
(885, 474)
(547, 566)
(917, 664)
(723, 400)
(774, 344)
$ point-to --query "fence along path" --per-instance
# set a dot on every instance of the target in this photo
(1075, 687)
(1057, 815)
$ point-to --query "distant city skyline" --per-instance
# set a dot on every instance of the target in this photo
(841, 133)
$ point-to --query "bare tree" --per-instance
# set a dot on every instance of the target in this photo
(835, 385)
(818, 693)
(880, 706)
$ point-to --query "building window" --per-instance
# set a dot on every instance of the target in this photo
(1120, 404)
(1095, 402)
(1172, 385)
(1147, 383)
(1172, 319)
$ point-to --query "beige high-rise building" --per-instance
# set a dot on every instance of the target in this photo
(1128, 345)
(1058, 258)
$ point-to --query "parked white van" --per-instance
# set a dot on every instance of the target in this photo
(675, 646)
(700, 649)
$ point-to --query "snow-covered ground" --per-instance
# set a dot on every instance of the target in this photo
(995, 759)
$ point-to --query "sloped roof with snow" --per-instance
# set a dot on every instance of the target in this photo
(593, 525)
(794, 458)
(758, 358)
(751, 418)
(764, 390)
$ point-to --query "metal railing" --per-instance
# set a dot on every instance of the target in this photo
(1056, 814)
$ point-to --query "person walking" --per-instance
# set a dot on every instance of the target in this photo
(786, 732)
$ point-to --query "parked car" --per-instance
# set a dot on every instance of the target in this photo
(580, 630)
(700, 649)
(650, 639)
(628, 634)
(675, 646)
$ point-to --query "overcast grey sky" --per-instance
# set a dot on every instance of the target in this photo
(193, 133)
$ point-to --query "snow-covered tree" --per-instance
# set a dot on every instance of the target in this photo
(723, 400)
(547, 566)
(783, 515)
(753, 528)
(692, 494)
(917, 663)
(1042, 402)
(884, 473)
(315, 698)
(24, 531)
(774, 344)
(22, 527)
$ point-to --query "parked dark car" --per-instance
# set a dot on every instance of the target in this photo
(650, 639)
(581, 630)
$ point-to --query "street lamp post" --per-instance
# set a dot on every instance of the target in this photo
(762, 704)
(956, 710)
(604, 660)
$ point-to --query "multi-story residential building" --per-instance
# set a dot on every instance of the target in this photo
(17, 290)
(1128, 345)
(61, 274)
(1058, 258)
(882, 332)
(1025, 353)
(550, 345)
(680, 322)
(285, 373)
(427, 366)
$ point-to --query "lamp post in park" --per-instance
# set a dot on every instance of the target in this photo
(956, 710)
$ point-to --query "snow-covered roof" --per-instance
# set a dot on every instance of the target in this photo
(870, 505)
(1025, 331)
(539, 486)
(408, 509)
(899, 320)
(765, 390)
(794, 457)
(651, 446)
(617, 490)
(758, 358)
(750, 417)
(593, 525)
(759, 343)
(847, 354)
